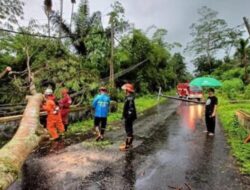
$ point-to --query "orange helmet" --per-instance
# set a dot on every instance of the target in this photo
(128, 87)
(64, 91)
(103, 89)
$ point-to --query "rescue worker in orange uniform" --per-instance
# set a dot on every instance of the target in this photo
(64, 105)
(54, 120)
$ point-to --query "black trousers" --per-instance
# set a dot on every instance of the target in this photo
(101, 122)
(129, 127)
(210, 123)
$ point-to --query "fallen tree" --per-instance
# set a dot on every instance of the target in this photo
(27, 138)
(5, 71)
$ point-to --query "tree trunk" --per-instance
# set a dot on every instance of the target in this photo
(246, 68)
(28, 64)
(26, 139)
(61, 15)
(209, 62)
(246, 24)
(71, 17)
(111, 68)
(3, 73)
(49, 24)
(208, 54)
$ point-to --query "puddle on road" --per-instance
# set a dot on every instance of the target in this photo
(191, 115)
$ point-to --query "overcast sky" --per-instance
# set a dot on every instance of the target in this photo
(174, 15)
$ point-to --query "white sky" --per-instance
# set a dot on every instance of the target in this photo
(174, 15)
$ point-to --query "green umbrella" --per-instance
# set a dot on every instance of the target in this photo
(205, 82)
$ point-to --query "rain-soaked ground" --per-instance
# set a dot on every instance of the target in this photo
(171, 151)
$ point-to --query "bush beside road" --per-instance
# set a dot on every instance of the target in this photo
(234, 133)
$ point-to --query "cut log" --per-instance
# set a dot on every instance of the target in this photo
(5, 71)
(27, 138)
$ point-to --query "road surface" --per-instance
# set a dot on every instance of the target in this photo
(171, 151)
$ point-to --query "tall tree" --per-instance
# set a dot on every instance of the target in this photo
(83, 26)
(48, 11)
(203, 67)
(118, 24)
(210, 35)
(242, 52)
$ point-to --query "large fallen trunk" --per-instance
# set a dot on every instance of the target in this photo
(26, 139)
(5, 71)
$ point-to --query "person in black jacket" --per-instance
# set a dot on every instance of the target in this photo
(210, 112)
(129, 115)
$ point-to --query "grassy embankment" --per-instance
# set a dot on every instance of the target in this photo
(235, 134)
(142, 103)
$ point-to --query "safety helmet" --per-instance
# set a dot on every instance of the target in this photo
(64, 91)
(103, 89)
(48, 92)
(128, 87)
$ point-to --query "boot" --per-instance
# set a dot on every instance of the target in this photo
(65, 127)
(98, 134)
(102, 134)
(125, 146)
(130, 142)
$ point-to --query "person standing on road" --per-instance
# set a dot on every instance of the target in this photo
(210, 112)
(101, 106)
(64, 105)
(129, 115)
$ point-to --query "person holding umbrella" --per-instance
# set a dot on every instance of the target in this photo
(210, 112)
(212, 101)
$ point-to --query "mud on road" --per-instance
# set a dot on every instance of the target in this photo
(170, 151)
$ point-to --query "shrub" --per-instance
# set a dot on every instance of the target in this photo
(247, 92)
(233, 87)
(232, 73)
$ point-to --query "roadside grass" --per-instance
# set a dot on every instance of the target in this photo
(142, 103)
(99, 145)
(235, 134)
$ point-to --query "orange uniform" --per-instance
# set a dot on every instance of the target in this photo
(64, 104)
(54, 119)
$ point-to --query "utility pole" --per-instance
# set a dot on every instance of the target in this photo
(61, 16)
(247, 24)
(111, 67)
(72, 12)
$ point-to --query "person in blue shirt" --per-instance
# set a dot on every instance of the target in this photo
(101, 106)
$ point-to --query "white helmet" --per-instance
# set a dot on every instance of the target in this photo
(48, 91)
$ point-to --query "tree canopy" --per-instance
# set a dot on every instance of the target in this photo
(80, 62)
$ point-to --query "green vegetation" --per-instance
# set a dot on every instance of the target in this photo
(235, 134)
(82, 59)
(94, 144)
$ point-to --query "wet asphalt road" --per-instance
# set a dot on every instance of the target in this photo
(189, 158)
(171, 151)
(177, 155)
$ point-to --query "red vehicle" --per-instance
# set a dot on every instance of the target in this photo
(190, 92)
